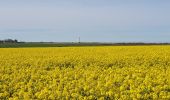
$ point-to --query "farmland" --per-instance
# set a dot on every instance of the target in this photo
(95, 72)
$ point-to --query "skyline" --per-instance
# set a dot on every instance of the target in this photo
(93, 21)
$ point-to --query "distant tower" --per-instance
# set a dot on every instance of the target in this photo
(79, 40)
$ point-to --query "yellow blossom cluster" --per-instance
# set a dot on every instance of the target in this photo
(85, 73)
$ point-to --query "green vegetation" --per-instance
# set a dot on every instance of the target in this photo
(69, 44)
(20, 45)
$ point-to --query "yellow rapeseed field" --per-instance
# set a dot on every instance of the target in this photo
(85, 73)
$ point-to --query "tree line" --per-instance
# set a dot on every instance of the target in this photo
(9, 41)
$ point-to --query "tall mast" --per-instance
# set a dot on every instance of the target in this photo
(79, 39)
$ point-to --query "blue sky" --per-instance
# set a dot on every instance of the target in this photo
(92, 20)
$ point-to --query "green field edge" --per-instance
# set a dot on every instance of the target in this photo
(23, 45)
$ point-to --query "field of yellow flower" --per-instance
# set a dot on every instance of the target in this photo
(102, 73)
